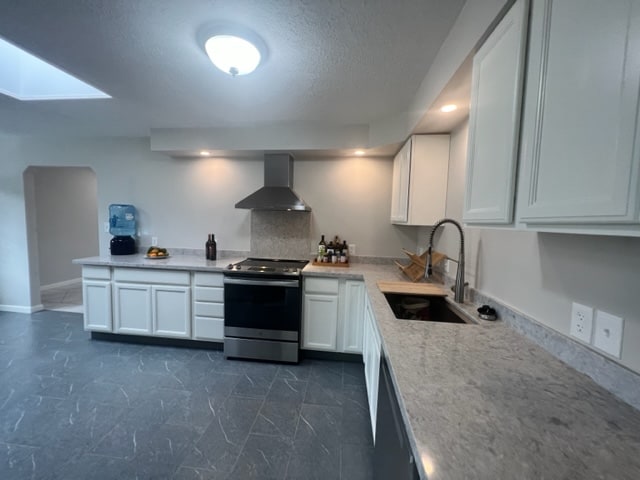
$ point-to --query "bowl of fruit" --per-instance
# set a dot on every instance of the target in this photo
(155, 253)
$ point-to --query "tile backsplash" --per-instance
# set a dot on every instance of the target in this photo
(280, 234)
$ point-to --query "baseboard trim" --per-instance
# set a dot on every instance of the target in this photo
(65, 283)
(339, 356)
(21, 309)
(163, 341)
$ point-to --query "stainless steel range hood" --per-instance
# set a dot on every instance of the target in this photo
(277, 193)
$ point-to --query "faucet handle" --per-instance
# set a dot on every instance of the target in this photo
(453, 287)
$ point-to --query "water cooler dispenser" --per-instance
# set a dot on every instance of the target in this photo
(122, 225)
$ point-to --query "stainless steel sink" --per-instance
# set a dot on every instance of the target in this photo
(424, 308)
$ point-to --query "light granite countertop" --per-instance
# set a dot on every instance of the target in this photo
(484, 402)
(481, 401)
(173, 262)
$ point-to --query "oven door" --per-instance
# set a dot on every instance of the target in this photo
(262, 308)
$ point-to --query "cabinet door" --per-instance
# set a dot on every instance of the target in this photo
(580, 161)
(400, 185)
(352, 317)
(494, 120)
(320, 322)
(428, 180)
(132, 308)
(171, 310)
(97, 305)
(208, 309)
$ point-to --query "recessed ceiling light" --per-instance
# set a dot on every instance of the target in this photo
(232, 54)
(359, 152)
(448, 108)
(205, 153)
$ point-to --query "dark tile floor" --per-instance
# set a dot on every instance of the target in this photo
(75, 408)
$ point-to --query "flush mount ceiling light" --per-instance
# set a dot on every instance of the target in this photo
(359, 153)
(448, 108)
(233, 54)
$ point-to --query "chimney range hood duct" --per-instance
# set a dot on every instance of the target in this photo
(277, 193)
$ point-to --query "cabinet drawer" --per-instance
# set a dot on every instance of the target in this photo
(142, 275)
(95, 272)
(208, 328)
(208, 309)
(321, 285)
(208, 294)
(207, 279)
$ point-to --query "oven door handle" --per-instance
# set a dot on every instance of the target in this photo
(261, 283)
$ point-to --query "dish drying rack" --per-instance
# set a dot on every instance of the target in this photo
(415, 269)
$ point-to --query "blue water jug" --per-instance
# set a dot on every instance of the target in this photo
(122, 220)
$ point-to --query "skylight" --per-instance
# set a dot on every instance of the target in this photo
(26, 77)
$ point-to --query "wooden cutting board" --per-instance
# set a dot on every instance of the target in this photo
(412, 288)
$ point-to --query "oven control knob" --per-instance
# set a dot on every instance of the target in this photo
(285, 270)
(230, 267)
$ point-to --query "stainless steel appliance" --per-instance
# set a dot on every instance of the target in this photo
(263, 309)
(277, 193)
(392, 457)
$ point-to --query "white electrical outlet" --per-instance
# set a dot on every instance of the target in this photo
(105, 227)
(581, 322)
(154, 241)
(608, 333)
(447, 267)
(352, 249)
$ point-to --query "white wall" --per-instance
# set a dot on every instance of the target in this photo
(351, 198)
(15, 292)
(542, 274)
(66, 220)
(181, 201)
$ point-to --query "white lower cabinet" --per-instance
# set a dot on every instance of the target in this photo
(96, 294)
(332, 315)
(208, 306)
(352, 317)
(371, 351)
(147, 302)
(320, 322)
(132, 308)
(171, 310)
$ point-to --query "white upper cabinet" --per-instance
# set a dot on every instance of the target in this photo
(419, 190)
(494, 120)
(400, 186)
(579, 157)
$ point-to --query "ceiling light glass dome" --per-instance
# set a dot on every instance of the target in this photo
(233, 55)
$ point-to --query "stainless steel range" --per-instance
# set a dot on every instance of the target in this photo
(263, 309)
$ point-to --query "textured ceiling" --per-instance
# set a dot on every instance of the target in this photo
(329, 62)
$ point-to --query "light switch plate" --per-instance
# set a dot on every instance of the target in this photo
(581, 322)
(608, 333)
